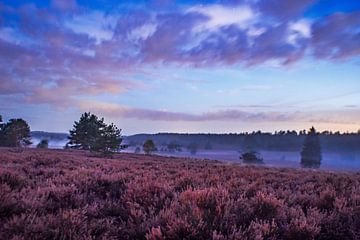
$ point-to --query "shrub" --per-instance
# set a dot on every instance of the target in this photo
(251, 157)
(149, 146)
(43, 144)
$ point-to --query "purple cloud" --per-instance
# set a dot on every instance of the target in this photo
(47, 55)
(337, 36)
(325, 116)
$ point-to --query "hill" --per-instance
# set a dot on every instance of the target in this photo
(58, 194)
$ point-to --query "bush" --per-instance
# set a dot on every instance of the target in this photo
(149, 146)
(251, 157)
(43, 144)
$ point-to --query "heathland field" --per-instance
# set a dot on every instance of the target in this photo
(59, 194)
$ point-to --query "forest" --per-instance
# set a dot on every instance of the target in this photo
(278, 141)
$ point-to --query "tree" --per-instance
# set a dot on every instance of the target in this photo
(174, 146)
(311, 151)
(2, 140)
(43, 144)
(2, 123)
(149, 146)
(251, 157)
(110, 139)
(91, 133)
(15, 133)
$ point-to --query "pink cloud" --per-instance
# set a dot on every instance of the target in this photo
(325, 116)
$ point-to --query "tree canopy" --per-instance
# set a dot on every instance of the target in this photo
(91, 133)
(15, 133)
(44, 143)
(311, 151)
(149, 146)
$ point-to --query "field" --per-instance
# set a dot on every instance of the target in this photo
(58, 194)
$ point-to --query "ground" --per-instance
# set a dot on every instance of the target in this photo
(60, 194)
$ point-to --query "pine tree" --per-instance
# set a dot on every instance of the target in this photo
(15, 133)
(110, 139)
(91, 133)
(311, 151)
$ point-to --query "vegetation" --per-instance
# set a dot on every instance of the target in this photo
(1, 123)
(311, 152)
(91, 133)
(48, 194)
(43, 144)
(251, 157)
(15, 133)
(149, 146)
(278, 141)
(193, 147)
(174, 146)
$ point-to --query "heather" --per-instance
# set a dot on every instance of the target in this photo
(72, 194)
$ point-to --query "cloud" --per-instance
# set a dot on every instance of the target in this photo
(284, 9)
(47, 55)
(337, 36)
(115, 110)
(325, 116)
(220, 16)
(95, 24)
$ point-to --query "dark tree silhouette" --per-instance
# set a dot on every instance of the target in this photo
(43, 144)
(251, 157)
(311, 151)
(110, 139)
(15, 133)
(149, 146)
(1, 123)
(91, 133)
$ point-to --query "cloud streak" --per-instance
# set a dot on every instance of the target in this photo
(325, 116)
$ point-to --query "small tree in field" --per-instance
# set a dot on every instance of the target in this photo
(311, 151)
(15, 133)
(149, 146)
(91, 133)
(43, 144)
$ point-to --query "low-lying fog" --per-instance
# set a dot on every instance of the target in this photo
(331, 160)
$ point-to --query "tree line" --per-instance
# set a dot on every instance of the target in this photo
(89, 133)
(278, 141)
(93, 134)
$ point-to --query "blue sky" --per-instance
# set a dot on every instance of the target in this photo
(182, 66)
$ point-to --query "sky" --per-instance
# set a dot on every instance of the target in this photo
(182, 66)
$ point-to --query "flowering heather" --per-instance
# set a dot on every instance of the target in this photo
(58, 194)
